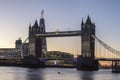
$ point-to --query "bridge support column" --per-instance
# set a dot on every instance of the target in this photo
(32, 62)
(116, 66)
(86, 60)
(86, 63)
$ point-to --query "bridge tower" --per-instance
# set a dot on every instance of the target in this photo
(35, 48)
(37, 45)
(87, 41)
(86, 59)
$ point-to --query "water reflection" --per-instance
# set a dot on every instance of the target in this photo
(34, 74)
(19, 73)
(87, 75)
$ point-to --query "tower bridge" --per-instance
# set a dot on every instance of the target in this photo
(87, 60)
(37, 35)
(90, 55)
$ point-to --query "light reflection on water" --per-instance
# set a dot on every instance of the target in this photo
(17, 73)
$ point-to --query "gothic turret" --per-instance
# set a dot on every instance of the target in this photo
(35, 24)
(30, 26)
(82, 23)
(88, 21)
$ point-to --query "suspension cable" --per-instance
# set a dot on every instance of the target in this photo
(22, 46)
(107, 46)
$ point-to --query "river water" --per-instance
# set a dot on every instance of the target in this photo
(19, 73)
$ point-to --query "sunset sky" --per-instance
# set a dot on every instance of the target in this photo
(16, 15)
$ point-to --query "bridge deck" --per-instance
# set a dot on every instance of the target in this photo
(99, 59)
(8, 58)
(108, 59)
(57, 58)
(60, 34)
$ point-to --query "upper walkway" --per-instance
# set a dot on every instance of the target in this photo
(60, 34)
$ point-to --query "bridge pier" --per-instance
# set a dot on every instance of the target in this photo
(86, 63)
(116, 66)
(32, 62)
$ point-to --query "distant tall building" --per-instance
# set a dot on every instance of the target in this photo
(42, 26)
(37, 45)
(87, 41)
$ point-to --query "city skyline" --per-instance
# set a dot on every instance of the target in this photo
(63, 15)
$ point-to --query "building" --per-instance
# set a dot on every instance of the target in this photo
(86, 60)
(37, 46)
(87, 41)
(42, 25)
(58, 54)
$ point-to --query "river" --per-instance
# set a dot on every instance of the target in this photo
(19, 73)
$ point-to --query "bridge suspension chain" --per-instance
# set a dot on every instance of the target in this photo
(21, 50)
(107, 46)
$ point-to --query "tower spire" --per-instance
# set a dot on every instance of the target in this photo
(30, 25)
(82, 22)
(36, 23)
(42, 12)
(88, 19)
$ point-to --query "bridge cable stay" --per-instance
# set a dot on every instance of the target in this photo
(101, 53)
(96, 48)
(106, 46)
(21, 50)
(100, 50)
(105, 53)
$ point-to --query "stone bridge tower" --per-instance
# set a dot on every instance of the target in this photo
(87, 41)
(35, 43)
(86, 60)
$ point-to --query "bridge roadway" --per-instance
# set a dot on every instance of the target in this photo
(99, 59)
(8, 58)
(57, 58)
(107, 59)
(60, 34)
(20, 58)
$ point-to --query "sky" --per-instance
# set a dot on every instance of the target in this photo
(16, 15)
